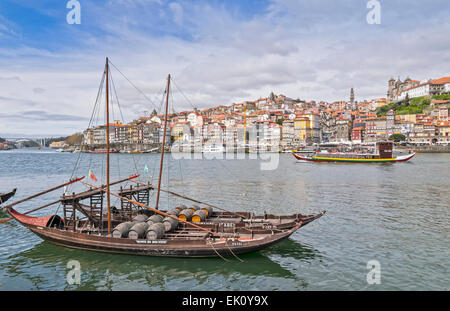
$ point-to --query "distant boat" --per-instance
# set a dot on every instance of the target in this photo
(383, 155)
(103, 151)
(154, 150)
(6, 196)
(303, 151)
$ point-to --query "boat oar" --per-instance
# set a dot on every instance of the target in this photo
(3, 220)
(406, 148)
(122, 180)
(155, 210)
(42, 193)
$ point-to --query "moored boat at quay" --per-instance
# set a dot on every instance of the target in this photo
(103, 151)
(384, 154)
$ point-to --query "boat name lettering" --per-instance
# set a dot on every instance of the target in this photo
(236, 243)
(151, 242)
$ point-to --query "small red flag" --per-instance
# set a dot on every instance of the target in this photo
(92, 176)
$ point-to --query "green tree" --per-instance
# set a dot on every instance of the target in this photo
(397, 137)
(442, 97)
(280, 121)
(407, 99)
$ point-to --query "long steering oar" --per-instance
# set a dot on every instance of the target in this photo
(3, 220)
(42, 193)
(406, 148)
(194, 200)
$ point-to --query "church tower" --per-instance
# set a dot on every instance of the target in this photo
(391, 87)
(352, 96)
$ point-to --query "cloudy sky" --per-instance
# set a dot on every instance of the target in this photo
(218, 52)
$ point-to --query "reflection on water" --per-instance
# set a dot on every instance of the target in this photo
(105, 271)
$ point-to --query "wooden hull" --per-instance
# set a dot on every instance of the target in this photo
(349, 160)
(198, 247)
(142, 247)
(6, 196)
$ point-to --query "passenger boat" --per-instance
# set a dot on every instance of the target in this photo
(136, 228)
(384, 155)
(6, 196)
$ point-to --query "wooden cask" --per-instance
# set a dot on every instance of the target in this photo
(170, 224)
(186, 214)
(208, 210)
(155, 231)
(199, 216)
(140, 218)
(121, 230)
(138, 231)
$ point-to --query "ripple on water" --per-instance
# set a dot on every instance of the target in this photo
(396, 214)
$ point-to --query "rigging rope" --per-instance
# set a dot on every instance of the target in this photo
(179, 90)
(77, 162)
(121, 114)
(133, 84)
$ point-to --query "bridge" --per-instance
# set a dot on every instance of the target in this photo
(18, 140)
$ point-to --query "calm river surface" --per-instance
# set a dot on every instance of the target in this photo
(397, 214)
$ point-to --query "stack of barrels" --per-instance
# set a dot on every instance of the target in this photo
(195, 213)
(144, 227)
(155, 226)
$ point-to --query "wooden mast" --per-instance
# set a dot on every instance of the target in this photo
(108, 196)
(163, 143)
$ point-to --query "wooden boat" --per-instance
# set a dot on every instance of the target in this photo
(225, 238)
(136, 228)
(103, 151)
(6, 196)
(384, 155)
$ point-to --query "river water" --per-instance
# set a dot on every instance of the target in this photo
(396, 214)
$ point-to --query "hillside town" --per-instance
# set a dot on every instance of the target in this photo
(415, 110)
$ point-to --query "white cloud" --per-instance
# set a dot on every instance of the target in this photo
(301, 49)
(177, 11)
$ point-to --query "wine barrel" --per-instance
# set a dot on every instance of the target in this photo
(199, 216)
(156, 218)
(208, 210)
(175, 212)
(181, 207)
(138, 231)
(186, 214)
(194, 208)
(140, 218)
(155, 231)
(121, 230)
(170, 224)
